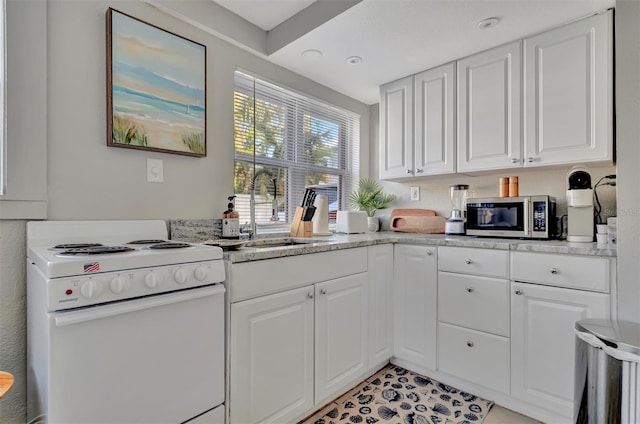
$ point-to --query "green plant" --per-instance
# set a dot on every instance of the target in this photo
(194, 142)
(124, 131)
(369, 197)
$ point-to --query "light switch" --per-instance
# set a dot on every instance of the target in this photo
(155, 171)
(415, 193)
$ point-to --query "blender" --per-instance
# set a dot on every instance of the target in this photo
(455, 224)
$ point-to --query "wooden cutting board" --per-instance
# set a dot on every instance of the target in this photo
(416, 221)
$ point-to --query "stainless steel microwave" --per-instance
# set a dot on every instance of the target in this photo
(519, 217)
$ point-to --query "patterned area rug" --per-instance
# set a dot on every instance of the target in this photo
(395, 395)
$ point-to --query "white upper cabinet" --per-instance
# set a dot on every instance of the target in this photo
(396, 129)
(417, 125)
(434, 102)
(568, 86)
(489, 115)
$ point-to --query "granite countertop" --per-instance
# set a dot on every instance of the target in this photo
(348, 241)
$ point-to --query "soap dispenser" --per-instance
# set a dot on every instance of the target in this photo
(231, 221)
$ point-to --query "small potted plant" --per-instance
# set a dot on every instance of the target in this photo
(369, 198)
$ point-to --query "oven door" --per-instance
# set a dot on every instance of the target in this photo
(499, 217)
(153, 360)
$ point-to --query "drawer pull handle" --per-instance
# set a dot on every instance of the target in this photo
(554, 271)
(515, 160)
(408, 171)
(310, 295)
(323, 291)
(518, 292)
(469, 261)
(470, 343)
(530, 159)
(470, 289)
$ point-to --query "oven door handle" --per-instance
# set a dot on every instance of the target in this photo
(77, 317)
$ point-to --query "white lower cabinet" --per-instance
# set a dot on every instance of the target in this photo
(415, 300)
(340, 334)
(543, 342)
(272, 341)
(475, 356)
(292, 351)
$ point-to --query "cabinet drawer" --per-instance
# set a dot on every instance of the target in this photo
(480, 303)
(474, 356)
(585, 273)
(491, 263)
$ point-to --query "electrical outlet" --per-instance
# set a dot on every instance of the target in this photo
(415, 193)
(155, 171)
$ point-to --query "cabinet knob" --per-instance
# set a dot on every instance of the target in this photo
(310, 295)
(470, 343)
(408, 171)
(470, 289)
(429, 253)
(468, 261)
(515, 160)
(419, 171)
(323, 291)
(518, 292)
(530, 159)
(554, 271)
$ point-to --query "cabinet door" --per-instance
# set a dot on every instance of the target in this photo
(434, 121)
(341, 335)
(569, 113)
(489, 109)
(380, 304)
(396, 129)
(415, 300)
(543, 342)
(272, 357)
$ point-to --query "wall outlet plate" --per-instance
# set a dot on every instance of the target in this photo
(415, 193)
(155, 171)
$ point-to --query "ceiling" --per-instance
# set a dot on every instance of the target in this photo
(394, 38)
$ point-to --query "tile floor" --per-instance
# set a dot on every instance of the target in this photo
(394, 394)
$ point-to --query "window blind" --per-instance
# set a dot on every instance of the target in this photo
(303, 142)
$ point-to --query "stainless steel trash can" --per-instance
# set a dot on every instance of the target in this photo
(607, 377)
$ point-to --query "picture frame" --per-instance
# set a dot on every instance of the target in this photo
(156, 88)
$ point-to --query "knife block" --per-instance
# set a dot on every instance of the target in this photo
(300, 228)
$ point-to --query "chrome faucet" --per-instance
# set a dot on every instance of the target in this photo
(252, 202)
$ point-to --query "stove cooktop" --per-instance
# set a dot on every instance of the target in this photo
(69, 248)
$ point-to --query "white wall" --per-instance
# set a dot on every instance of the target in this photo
(628, 139)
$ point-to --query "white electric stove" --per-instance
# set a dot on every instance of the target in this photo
(123, 324)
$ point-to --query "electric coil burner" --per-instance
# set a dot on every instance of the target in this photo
(75, 245)
(169, 245)
(96, 250)
(146, 242)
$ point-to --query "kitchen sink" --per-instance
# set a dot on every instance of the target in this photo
(281, 242)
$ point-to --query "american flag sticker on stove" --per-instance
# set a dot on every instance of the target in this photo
(92, 267)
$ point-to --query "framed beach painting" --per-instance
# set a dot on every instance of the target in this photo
(156, 88)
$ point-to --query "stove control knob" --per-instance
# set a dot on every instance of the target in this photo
(151, 280)
(119, 285)
(180, 276)
(91, 288)
(200, 273)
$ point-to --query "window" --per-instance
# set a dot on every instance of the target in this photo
(301, 142)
